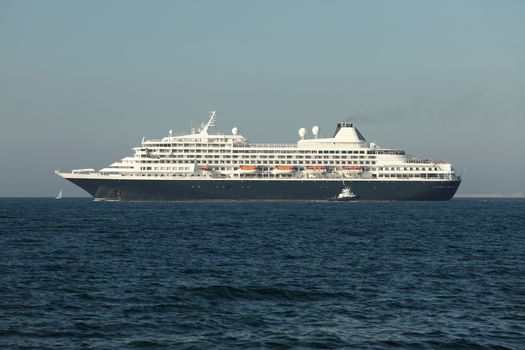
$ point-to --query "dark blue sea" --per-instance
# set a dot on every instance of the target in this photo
(78, 274)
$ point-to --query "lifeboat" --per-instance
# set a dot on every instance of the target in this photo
(205, 168)
(316, 169)
(248, 169)
(283, 169)
(350, 169)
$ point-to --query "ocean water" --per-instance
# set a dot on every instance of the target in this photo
(367, 275)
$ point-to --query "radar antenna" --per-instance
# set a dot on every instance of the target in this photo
(211, 122)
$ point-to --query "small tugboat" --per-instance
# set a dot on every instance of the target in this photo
(346, 195)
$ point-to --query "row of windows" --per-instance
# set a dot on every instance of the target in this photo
(387, 151)
(167, 151)
(424, 175)
(165, 168)
(197, 161)
(223, 143)
(383, 176)
(199, 143)
(254, 157)
(230, 168)
(249, 162)
(255, 150)
(403, 169)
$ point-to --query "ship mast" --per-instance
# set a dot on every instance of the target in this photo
(211, 122)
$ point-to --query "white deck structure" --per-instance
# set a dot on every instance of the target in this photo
(203, 155)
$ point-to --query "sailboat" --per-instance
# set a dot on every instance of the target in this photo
(59, 195)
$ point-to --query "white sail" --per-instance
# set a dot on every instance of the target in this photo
(59, 195)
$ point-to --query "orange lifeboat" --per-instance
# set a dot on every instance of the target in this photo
(248, 169)
(283, 169)
(352, 168)
(318, 169)
(205, 168)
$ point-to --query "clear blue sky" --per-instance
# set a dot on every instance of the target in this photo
(82, 81)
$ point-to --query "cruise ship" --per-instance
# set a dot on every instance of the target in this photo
(202, 165)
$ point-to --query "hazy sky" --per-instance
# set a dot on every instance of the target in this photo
(82, 81)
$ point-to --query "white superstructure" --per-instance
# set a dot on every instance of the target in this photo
(204, 155)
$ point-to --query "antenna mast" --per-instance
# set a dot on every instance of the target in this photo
(211, 122)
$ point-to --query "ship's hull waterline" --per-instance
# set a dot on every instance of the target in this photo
(218, 189)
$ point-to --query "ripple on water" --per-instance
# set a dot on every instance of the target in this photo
(79, 274)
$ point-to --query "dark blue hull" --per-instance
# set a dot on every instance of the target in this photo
(166, 190)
